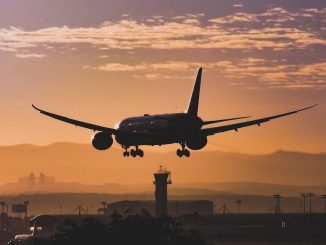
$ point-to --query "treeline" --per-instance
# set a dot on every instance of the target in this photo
(137, 229)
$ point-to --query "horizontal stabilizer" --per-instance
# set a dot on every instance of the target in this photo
(223, 120)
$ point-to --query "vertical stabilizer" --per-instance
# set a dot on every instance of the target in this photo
(194, 101)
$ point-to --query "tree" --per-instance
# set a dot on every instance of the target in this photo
(132, 229)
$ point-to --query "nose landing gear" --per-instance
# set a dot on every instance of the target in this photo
(183, 152)
(126, 152)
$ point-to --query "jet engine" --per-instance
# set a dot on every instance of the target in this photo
(102, 141)
(197, 142)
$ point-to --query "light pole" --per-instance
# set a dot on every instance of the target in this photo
(310, 195)
(238, 202)
(26, 203)
(324, 197)
(277, 197)
(7, 220)
(104, 206)
(3, 214)
(304, 195)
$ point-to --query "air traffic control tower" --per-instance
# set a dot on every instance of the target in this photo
(162, 179)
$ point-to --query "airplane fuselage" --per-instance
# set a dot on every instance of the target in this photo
(158, 129)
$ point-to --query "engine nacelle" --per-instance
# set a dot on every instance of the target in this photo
(197, 142)
(102, 141)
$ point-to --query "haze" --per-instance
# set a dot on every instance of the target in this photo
(101, 61)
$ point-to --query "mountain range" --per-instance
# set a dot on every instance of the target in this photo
(72, 164)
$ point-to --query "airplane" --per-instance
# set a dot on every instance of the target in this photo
(185, 128)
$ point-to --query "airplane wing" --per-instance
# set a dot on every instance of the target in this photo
(223, 120)
(77, 123)
(236, 126)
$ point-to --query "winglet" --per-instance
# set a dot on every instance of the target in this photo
(194, 101)
(309, 107)
(36, 108)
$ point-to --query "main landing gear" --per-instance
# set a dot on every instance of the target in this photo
(133, 152)
(183, 151)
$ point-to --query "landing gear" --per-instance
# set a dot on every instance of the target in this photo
(126, 152)
(133, 152)
(183, 151)
(137, 152)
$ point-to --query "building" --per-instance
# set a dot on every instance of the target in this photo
(162, 180)
(34, 181)
(161, 206)
(174, 207)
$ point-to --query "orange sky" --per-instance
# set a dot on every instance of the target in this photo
(259, 59)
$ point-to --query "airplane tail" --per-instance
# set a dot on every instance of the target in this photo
(194, 101)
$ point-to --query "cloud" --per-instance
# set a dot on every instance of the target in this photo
(153, 67)
(30, 55)
(297, 76)
(274, 77)
(117, 67)
(313, 69)
(237, 17)
(270, 33)
(172, 65)
(273, 73)
(152, 71)
(7, 49)
(180, 32)
(278, 14)
(152, 76)
(238, 5)
(191, 21)
(275, 15)
(315, 11)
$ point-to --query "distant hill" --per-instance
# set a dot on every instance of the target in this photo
(56, 203)
(179, 189)
(79, 163)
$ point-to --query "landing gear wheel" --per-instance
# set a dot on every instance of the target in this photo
(140, 153)
(133, 153)
(186, 153)
(183, 152)
(125, 153)
(179, 153)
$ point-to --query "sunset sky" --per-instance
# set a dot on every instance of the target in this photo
(101, 61)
